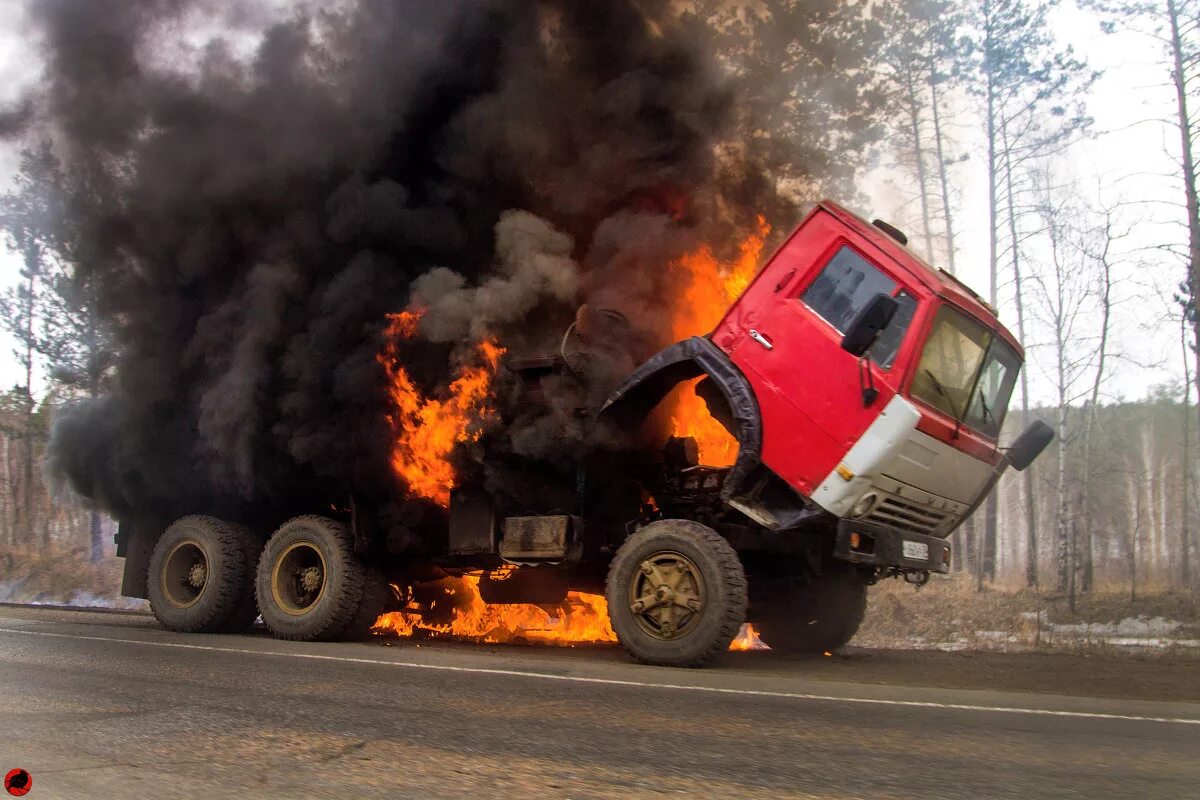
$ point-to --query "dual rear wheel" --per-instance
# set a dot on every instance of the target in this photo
(211, 576)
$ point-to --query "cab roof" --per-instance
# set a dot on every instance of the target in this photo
(938, 281)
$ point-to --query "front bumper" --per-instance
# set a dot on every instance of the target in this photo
(878, 545)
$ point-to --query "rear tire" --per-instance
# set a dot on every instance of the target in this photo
(823, 615)
(309, 582)
(375, 596)
(246, 611)
(676, 594)
(198, 575)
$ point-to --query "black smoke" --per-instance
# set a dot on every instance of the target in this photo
(255, 191)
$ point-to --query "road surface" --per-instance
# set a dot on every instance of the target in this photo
(109, 705)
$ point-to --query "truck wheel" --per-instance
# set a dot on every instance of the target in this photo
(246, 611)
(198, 575)
(820, 616)
(309, 583)
(375, 596)
(676, 594)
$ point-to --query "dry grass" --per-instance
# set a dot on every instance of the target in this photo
(950, 610)
(67, 579)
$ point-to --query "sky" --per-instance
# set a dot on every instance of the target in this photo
(1128, 159)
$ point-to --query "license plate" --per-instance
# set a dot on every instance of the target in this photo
(917, 551)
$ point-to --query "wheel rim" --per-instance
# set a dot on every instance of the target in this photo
(298, 578)
(666, 595)
(184, 574)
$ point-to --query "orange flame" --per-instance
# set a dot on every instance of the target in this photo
(712, 288)
(427, 429)
(748, 639)
(581, 619)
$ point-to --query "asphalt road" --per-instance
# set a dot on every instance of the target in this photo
(106, 705)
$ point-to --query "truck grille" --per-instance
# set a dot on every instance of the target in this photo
(907, 516)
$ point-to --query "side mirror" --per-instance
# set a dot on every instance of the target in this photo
(869, 323)
(1029, 445)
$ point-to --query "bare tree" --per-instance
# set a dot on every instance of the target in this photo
(1099, 245)
(1072, 296)
(1031, 89)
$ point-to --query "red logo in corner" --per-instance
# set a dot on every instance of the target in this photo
(18, 782)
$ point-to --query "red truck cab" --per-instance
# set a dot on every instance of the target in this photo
(885, 426)
(905, 436)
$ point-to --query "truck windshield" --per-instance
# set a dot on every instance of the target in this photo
(966, 372)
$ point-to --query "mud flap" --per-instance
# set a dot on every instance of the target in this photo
(135, 540)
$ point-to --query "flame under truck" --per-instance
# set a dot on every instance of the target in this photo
(866, 391)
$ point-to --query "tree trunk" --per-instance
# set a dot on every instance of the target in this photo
(914, 115)
(96, 537)
(1065, 571)
(1185, 468)
(1094, 408)
(990, 507)
(1179, 78)
(28, 497)
(1031, 566)
(943, 178)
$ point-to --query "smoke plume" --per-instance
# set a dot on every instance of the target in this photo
(254, 190)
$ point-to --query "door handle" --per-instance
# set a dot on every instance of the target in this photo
(764, 341)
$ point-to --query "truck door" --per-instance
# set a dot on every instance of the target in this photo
(810, 390)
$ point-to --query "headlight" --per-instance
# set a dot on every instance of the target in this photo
(865, 505)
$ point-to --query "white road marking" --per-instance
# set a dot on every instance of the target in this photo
(1041, 712)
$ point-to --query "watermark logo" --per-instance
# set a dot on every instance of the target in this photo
(18, 782)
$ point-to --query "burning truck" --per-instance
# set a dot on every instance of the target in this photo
(837, 424)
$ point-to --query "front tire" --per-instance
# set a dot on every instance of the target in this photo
(676, 594)
(309, 583)
(199, 575)
(820, 616)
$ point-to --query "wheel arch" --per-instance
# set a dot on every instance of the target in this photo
(634, 399)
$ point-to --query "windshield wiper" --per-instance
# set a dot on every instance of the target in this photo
(950, 402)
(987, 412)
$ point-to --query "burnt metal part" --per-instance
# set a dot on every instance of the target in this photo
(680, 453)
(545, 586)
(691, 358)
(549, 537)
(882, 546)
(770, 502)
(472, 523)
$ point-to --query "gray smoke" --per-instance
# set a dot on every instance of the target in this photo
(533, 267)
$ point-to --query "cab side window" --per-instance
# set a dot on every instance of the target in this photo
(845, 286)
